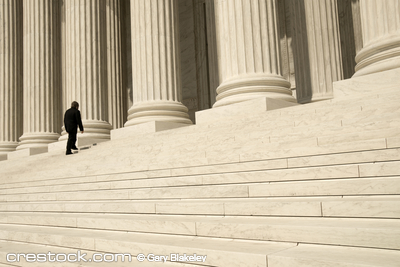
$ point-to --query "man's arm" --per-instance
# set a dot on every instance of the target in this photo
(65, 122)
(79, 120)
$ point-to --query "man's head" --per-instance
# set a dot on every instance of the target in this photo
(75, 105)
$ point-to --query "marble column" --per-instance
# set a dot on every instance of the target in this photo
(11, 90)
(249, 52)
(86, 69)
(42, 73)
(156, 72)
(117, 108)
(380, 22)
(316, 38)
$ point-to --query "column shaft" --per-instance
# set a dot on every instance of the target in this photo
(42, 73)
(380, 22)
(86, 56)
(316, 38)
(10, 74)
(156, 63)
(249, 48)
(115, 87)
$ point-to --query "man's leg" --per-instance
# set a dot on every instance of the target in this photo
(71, 142)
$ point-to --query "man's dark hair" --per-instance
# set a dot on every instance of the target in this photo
(75, 105)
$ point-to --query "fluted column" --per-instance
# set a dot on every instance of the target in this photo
(380, 22)
(249, 52)
(86, 59)
(316, 38)
(115, 87)
(156, 63)
(11, 103)
(42, 73)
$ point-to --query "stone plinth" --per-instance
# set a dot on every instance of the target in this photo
(245, 108)
(143, 128)
(371, 83)
(26, 152)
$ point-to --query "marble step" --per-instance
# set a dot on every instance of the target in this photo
(104, 181)
(202, 185)
(129, 188)
(337, 206)
(307, 255)
(127, 182)
(328, 187)
(374, 233)
(239, 153)
(219, 251)
(341, 187)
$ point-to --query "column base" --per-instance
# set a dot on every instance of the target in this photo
(160, 111)
(37, 140)
(251, 87)
(377, 57)
(6, 147)
(92, 130)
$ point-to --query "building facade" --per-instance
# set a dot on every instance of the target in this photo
(130, 62)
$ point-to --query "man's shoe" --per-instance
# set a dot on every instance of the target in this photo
(74, 148)
(69, 153)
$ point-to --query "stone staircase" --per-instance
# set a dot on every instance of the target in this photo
(313, 185)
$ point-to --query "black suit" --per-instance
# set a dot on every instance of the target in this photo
(72, 119)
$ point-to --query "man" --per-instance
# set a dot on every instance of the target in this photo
(72, 119)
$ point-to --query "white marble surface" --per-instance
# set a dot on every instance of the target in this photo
(191, 192)
(371, 83)
(380, 169)
(351, 157)
(254, 106)
(373, 233)
(306, 255)
(378, 208)
(393, 142)
(341, 187)
(297, 174)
